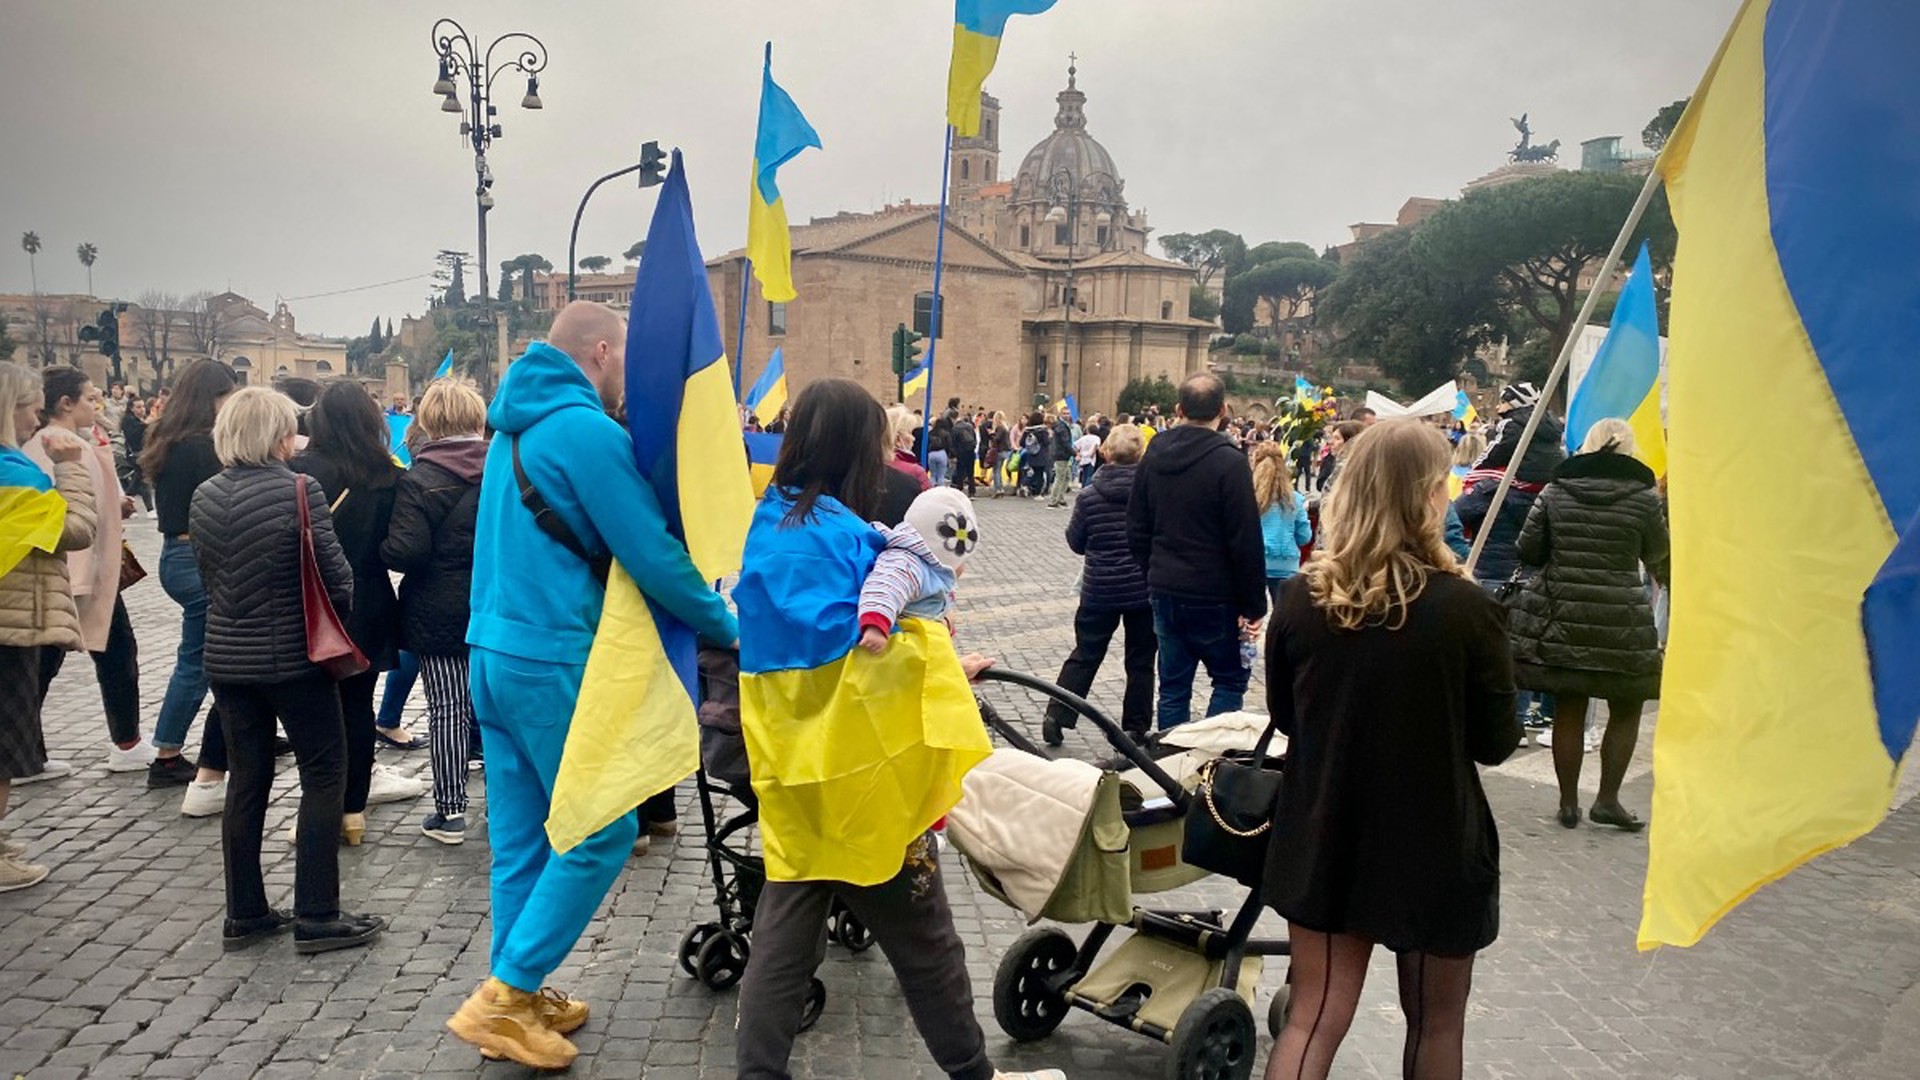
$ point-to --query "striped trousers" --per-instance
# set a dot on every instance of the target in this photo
(450, 725)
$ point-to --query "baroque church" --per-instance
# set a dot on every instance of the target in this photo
(1048, 288)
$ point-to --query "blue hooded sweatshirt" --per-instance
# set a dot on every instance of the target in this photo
(532, 598)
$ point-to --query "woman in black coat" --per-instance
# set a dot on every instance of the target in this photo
(1583, 627)
(1388, 672)
(348, 454)
(247, 541)
(430, 540)
(1113, 591)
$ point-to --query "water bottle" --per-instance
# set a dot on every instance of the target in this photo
(1248, 651)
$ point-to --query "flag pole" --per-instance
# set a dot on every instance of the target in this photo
(1607, 268)
(740, 335)
(939, 263)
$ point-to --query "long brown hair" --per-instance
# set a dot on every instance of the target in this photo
(1381, 530)
(190, 407)
(1272, 478)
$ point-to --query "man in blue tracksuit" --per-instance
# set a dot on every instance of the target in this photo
(536, 604)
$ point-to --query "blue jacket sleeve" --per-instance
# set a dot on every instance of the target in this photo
(1456, 537)
(1302, 522)
(606, 484)
(1273, 530)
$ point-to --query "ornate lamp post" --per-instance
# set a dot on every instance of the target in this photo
(1065, 189)
(460, 56)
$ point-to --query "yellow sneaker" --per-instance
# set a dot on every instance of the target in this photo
(511, 1024)
(564, 1015)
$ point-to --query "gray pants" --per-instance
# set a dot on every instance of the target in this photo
(910, 919)
(1062, 479)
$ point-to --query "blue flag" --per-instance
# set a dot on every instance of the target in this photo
(446, 366)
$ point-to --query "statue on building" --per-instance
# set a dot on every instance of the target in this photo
(1525, 151)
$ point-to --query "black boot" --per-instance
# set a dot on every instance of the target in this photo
(240, 933)
(343, 931)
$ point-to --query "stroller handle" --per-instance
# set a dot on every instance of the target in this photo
(1116, 735)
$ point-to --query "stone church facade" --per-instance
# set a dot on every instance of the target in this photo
(1048, 289)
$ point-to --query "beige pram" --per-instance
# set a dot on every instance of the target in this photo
(1074, 843)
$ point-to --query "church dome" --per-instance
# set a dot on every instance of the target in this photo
(1069, 150)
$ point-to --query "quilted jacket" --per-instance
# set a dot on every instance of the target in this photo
(246, 537)
(430, 539)
(1590, 532)
(36, 604)
(1098, 530)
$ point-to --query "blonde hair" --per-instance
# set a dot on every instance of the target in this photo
(1381, 528)
(18, 386)
(1471, 447)
(901, 424)
(1272, 477)
(450, 407)
(1124, 445)
(1610, 436)
(253, 423)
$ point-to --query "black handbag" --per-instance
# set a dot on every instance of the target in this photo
(1231, 816)
(1509, 590)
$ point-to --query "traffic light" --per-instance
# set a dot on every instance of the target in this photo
(105, 333)
(653, 164)
(906, 350)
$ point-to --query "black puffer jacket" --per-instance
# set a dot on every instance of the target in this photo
(1193, 524)
(246, 539)
(361, 524)
(1587, 610)
(1098, 530)
(430, 540)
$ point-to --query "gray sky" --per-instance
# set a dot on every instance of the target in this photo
(291, 150)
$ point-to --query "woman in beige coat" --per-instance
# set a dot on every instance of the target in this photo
(36, 607)
(94, 572)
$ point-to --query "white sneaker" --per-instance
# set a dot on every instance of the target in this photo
(1037, 1074)
(133, 759)
(392, 785)
(54, 770)
(11, 848)
(204, 798)
(17, 873)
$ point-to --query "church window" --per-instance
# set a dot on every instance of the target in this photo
(923, 315)
(776, 319)
(1100, 236)
(1026, 236)
(1040, 369)
(964, 168)
(1062, 235)
(989, 131)
(1166, 309)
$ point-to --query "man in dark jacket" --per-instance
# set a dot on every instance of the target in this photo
(964, 445)
(1062, 433)
(1194, 528)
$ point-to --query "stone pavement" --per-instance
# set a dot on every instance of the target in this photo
(113, 966)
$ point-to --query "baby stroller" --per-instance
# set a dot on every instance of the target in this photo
(1184, 977)
(716, 952)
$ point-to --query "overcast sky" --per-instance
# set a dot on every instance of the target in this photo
(292, 150)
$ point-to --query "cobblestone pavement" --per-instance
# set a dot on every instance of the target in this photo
(113, 966)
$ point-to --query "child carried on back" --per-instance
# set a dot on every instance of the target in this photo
(915, 575)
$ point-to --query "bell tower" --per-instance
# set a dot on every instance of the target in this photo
(976, 158)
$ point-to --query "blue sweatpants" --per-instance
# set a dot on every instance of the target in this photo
(542, 900)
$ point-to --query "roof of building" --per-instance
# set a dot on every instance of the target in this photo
(1069, 148)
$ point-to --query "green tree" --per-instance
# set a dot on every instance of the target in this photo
(450, 277)
(634, 253)
(30, 243)
(1534, 239)
(1201, 304)
(7, 344)
(1658, 129)
(88, 254)
(1140, 393)
(1287, 285)
(1206, 252)
(1417, 324)
(1275, 250)
(593, 264)
(374, 340)
(529, 264)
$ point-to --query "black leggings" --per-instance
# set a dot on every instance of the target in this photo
(117, 667)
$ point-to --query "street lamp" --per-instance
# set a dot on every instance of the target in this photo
(1065, 188)
(460, 56)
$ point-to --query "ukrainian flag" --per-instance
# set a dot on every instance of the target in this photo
(769, 392)
(763, 453)
(783, 133)
(1623, 382)
(977, 26)
(915, 384)
(32, 514)
(853, 755)
(1796, 309)
(634, 733)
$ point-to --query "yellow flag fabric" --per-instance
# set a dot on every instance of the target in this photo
(854, 759)
(634, 712)
(716, 501)
(977, 26)
(29, 521)
(1766, 753)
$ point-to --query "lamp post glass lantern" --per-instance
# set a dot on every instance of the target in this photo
(461, 59)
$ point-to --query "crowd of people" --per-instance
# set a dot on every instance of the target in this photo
(1203, 536)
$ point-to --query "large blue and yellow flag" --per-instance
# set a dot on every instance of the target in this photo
(634, 733)
(783, 133)
(853, 755)
(769, 393)
(763, 453)
(1791, 684)
(1623, 382)
(31, 512)
(914, 383)
(977, 26)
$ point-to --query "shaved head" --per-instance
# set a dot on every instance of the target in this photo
(595, 336)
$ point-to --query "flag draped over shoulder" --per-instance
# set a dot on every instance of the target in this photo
(977, 26)
(782, 134)
(769, 392)
(1791, 686)
(31, 512)
(634, 733)
(1623, 382)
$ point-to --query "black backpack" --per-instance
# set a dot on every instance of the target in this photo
(964, 441)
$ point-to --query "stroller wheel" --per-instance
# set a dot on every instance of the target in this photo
(1026, 995)
(848, 931)
(691, 941)
(1277, 1012)
(721, 961)
(816, 1004)
(1214, 1039)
